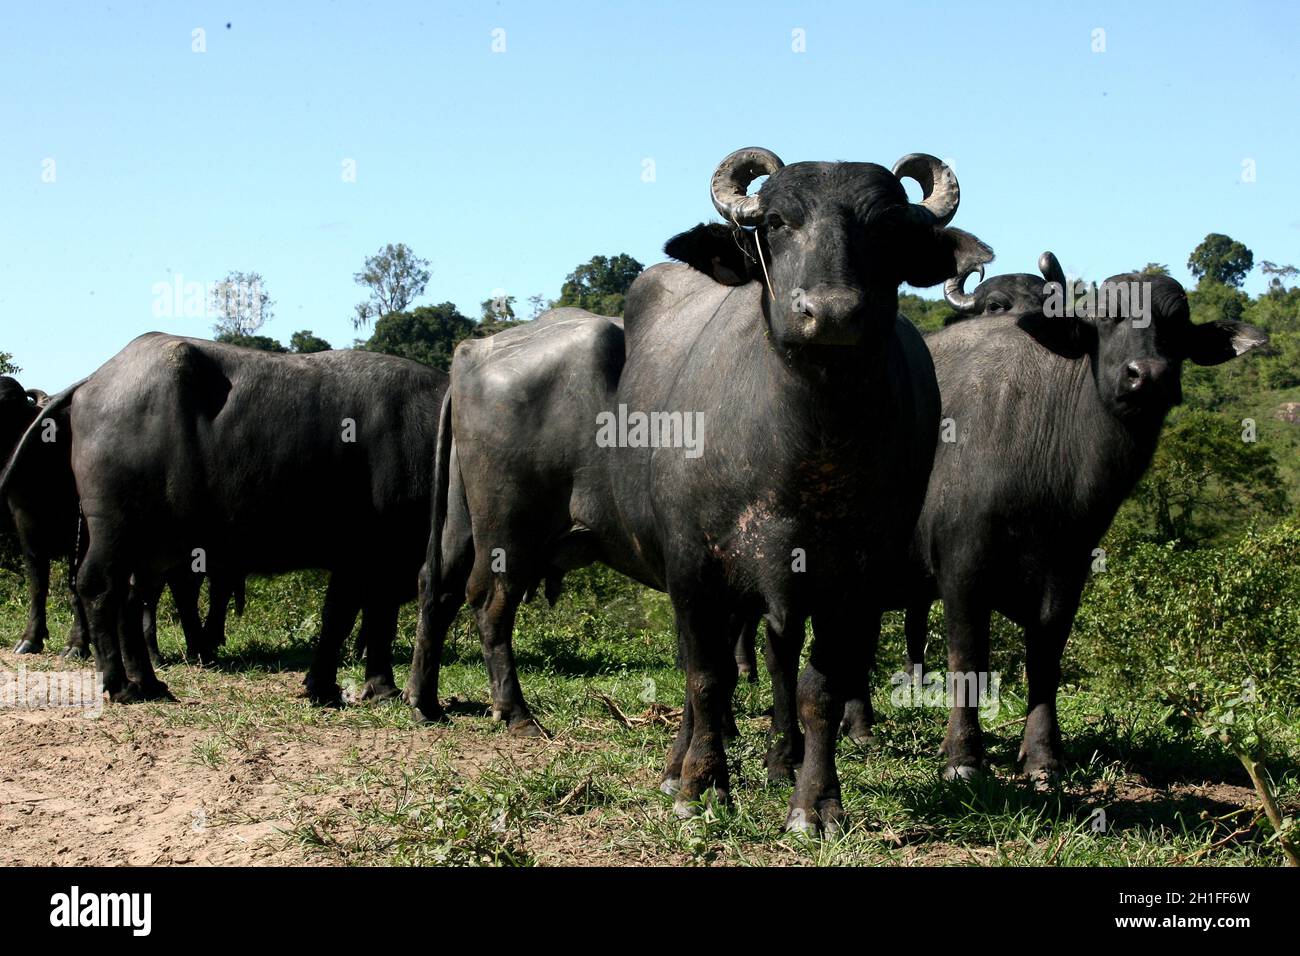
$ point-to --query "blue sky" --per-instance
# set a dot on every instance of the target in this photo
(507, 169)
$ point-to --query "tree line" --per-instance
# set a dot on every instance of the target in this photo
(393, 279)
(1230, 454)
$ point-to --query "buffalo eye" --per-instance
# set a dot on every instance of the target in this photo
(774, 221)
(999, 305)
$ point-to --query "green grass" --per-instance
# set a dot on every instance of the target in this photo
(393, 792)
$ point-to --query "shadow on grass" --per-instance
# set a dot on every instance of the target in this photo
(1164, 759)
(992, 808)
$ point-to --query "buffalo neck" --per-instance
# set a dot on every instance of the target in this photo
(1106, 454)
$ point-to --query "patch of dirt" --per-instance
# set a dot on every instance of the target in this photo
(83, 792)
(129, 789)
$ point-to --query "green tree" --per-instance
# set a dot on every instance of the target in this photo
(394, 276)
(263, 343)
(498, 314)
(537, 304)
(7, 366)
(1213, 300)
(241, 304)
(1278, 277)
(427, 334)
(1222, 259)
(1154, 269)
(928, 315)
(306, 341)
(1204, 484)
(601, 284)
(1277, 310)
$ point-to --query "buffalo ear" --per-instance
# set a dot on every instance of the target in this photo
(722, 253)
(1063, 334)
(939, 254)
(1215, 342)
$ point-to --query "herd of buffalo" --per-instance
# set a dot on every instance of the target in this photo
(845, 466)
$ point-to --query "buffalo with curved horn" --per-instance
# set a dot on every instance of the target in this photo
(793, 416)
(1057, 418)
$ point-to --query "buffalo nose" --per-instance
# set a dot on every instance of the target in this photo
(1143, 373)
(832, 306)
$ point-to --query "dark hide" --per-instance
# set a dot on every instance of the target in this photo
(803, 395)
(1055, 420)
(182, 444)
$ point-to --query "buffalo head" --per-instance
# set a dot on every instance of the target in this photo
(1135, 328)
(831, 242)
(1138, 361)
(17, 409)
(1015, 293)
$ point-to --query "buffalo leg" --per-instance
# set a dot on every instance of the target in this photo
(185, 586)
(1041, 750)
(916, 631)
(495, 615)
(78, 640)
(378, 630)
(137, 656)
(858, 715)
(671, 781)
(103, 585)
(146, 601)
(746, 655)
(220, 589)
(38, 591)
(436, 612)
(785, 742)
(707, 637)
(831, 676)
(342, 603)
(968, 654)
(438, 603)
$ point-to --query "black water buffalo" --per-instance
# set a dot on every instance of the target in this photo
(261, 463)
(1055, 418)
(711, 446)
(202, 637)
(41, 501)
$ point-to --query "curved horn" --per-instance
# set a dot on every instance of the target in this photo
(1051, 269)
(731, 181)
(37, 396)
(953, 289)
(939, 190)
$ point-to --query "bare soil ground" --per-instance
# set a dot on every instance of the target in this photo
(240, 771)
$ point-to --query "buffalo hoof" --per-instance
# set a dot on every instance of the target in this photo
(1044, 780)
(780, 773)
(1044, 775)
(379, 689)
(684, 808)
(782, 759)
(323, 693)
(858, 731)
(825, 819)
(133, 693)
(28, 646)
(729, 729)
(424, 712)
(156, 660)
(525, 727)
(75, 652)
(967, 772)
(429, 715)
(670, 785)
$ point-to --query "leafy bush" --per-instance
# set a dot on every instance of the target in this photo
(1232, 612)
